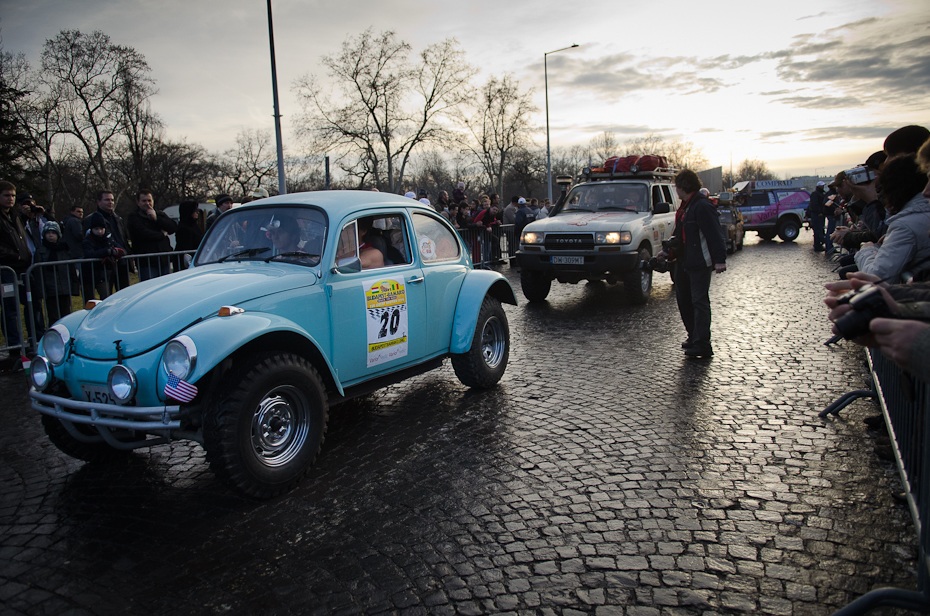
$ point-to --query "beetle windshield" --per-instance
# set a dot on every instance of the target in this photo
(608, 196)
(290, 234)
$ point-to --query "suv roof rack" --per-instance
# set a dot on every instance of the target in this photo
(667, 173)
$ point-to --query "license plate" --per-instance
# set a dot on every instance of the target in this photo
(98, 394)
(568, 260)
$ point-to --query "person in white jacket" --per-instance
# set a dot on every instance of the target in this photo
(904, 250)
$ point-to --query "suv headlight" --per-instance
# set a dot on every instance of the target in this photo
(179, 357)
(532, 237)
(613, 237)
(55, 342)
(122, 384)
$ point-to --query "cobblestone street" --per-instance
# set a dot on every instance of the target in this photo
(607, 474)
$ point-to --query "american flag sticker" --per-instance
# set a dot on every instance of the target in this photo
(179, 389)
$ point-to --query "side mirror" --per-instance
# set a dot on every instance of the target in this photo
(661, 208)
(348, 265)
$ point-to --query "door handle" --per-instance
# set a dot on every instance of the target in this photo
(416, 280)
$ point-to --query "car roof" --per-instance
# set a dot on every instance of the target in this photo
(341, 201)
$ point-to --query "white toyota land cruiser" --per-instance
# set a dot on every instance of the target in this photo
(604, 229)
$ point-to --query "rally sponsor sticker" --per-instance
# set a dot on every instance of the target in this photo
(386, 304)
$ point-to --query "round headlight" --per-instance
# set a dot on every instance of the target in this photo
(54, 343)
(40, 373)
(122, 384)
(179, 357)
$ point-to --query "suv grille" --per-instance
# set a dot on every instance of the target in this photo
(569, 241)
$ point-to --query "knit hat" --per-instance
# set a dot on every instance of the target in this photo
(221, 199)
(51, 226)
(96, 220)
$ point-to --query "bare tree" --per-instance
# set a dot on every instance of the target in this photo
(383, 107)
(92, 80)
(253, 162)
(604, 146)
(680, 154)
(498, 123)
(750, 170)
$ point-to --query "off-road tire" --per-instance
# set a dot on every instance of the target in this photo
(536, 285)
(263, 434)
(97, 451)
(483, 365)
(789, 230)
(638, 282)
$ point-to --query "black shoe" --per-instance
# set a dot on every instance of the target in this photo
(883, 448)
(818, 249)
(687, 344)
(874, 421)
(699, 350)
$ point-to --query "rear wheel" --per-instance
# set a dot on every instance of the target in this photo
(483, 365)
(788, 230)
(638, 282)
(536, 285)
(263, 436)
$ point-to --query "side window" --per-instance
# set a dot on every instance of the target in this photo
(760, 198)
(377, 241)
(435, 241)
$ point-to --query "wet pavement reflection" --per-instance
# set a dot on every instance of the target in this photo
(607, 474)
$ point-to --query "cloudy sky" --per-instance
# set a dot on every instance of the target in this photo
(808, 86)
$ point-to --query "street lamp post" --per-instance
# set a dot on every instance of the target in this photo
(548, 152)
(282, 182)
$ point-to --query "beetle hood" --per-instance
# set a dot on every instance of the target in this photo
(148, 314)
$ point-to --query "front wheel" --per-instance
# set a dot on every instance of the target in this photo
(638, 283)
(483, 365)
(536, 285)
(789, 230)
(262, 437)
(88, 445)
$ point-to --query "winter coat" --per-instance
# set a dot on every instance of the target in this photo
(55, 280)
(905, 246)
(14, 251)
(701, 234)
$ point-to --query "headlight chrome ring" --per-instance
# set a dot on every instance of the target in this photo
(55, 343)
(122, 383)
(41, 373)
(179, 357)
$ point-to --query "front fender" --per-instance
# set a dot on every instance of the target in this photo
(220, 337)
(477, 284)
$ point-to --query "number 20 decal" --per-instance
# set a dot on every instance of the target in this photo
(391, 321)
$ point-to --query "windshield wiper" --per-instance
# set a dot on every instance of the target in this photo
(248, 252)
(624, 208)
(293, 253)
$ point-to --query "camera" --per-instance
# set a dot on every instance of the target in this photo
(34, 208)
(867, 303)
(663, 264)
(860, 175)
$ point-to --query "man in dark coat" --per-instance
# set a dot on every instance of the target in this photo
(149, 229)
(817, 216)
(701, 252)
(117, 274)
(15, 255)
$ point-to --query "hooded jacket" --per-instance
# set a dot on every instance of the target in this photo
(905, 246)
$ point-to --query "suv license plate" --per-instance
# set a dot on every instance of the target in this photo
(97, 393)
(568, 260)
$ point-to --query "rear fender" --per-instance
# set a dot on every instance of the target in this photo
(478, 284)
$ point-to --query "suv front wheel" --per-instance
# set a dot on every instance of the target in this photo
(536, 285)
(638, 282)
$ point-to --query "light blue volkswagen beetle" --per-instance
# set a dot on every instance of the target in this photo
(290, 305)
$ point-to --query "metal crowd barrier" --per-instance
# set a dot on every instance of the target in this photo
(10, 289)
(905, 404)
(53, 287)
(492, 247)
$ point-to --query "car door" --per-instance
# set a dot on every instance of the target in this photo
(377, 315)
(441, 253)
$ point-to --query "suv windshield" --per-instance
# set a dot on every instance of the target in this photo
(295, 235)
(608, 197)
